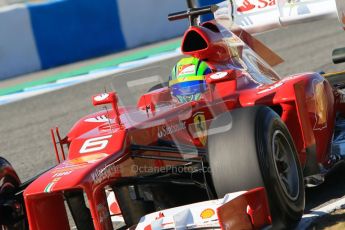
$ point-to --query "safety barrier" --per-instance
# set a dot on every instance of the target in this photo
(18, 53)
(72, 30)
(44, 35)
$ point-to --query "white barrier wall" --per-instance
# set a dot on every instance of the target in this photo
(18, 53)
(146, 21)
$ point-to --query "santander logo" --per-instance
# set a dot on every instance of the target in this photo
(249, 5)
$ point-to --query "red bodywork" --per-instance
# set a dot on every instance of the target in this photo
(101, 144)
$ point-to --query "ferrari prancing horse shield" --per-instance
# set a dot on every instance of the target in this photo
(200, 127)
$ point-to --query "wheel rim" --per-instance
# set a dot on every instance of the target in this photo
(285, 165)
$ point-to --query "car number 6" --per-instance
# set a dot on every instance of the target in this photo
(95, 144)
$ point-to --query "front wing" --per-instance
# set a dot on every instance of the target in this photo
(239, 210)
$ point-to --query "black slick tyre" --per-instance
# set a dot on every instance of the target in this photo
(251, 147)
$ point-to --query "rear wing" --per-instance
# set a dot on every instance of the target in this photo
(257, 16)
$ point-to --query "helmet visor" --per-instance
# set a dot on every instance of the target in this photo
(188, 88)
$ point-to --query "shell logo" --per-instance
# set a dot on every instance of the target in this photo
(207, 213)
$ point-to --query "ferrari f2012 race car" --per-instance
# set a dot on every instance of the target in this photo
(252, 136)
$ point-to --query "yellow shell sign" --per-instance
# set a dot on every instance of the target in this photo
(207, 213)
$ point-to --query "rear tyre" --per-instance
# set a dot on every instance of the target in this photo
(252, 147)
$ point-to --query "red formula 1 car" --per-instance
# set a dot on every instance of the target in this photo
(250, 129)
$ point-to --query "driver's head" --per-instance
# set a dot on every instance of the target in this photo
(187, 79)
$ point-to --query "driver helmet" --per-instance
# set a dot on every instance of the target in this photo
(187, 79)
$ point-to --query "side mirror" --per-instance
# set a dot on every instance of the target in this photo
(217, 77)
(104, 98)
(108, 98)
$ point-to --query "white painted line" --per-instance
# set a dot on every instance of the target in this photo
(64, 83)
(22, 95)
(309, 218)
